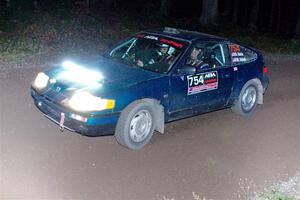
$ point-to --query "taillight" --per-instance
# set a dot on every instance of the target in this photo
(265, 69)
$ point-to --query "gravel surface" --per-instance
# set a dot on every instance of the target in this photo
(218, 155)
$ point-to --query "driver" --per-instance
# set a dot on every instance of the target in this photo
(165, 54)
(160, 55)
(194, 60)
(198, 59)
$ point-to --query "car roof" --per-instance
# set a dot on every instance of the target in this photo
(183, 34)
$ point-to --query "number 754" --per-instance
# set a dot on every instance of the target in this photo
(195, 80)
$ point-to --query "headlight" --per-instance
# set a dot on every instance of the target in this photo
(84, 101)
(41, 80)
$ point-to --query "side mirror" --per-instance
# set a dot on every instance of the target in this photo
(187, 70)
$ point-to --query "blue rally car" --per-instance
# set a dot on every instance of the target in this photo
(149, 79)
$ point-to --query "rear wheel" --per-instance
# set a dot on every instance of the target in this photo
(247, 100)
(135, 126)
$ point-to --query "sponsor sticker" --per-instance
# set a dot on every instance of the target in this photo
(236, 54)
(202, 82)
(164, 40)
(140, 35)
(234, 47)
(171, 42)
(151, 37)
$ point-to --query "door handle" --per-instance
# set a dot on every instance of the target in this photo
(226, 75)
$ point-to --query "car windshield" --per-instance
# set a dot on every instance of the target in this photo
(150, 52)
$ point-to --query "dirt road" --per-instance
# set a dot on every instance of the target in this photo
(216, 155)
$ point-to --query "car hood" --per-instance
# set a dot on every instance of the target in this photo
(114, 76)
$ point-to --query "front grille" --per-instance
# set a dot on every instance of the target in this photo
(54, 96)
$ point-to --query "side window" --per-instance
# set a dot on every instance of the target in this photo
(123, 50)
(219, 56)
(241, 55)
(206, 55)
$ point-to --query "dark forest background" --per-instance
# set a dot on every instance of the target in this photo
(271, 25)
(276, 16)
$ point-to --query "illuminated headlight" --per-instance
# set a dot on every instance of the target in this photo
(41, 80)
(84, 101)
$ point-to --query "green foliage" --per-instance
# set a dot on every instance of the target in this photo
(276, 195)
(6, 26)
(18, 47)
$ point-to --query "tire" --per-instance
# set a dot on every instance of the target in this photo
(135, 126)
(247, 99)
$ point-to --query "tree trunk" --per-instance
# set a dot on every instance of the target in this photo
(88, 5)
(209, 12)
(278, 17)
(272, 14)
(165, 7)
(246, 10)
(8, 5)
(227, 10)
(297, 30)
(236, 11)
(107, 4)
(254, 15)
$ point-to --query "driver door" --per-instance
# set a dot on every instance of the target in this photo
(208, 88)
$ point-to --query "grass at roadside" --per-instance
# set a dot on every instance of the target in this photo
(247, 190)
(284, 190)
(275, 194)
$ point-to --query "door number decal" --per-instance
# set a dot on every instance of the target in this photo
(202, 82)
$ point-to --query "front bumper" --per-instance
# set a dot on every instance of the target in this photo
(96, 125)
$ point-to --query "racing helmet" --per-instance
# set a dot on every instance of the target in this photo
(162, 45)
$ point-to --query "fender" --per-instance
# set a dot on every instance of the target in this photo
(159, 114)
(237, 89)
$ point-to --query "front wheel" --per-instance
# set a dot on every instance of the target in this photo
(135, 126)
(247, 100)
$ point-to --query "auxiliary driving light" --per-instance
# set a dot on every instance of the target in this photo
(41, 80)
